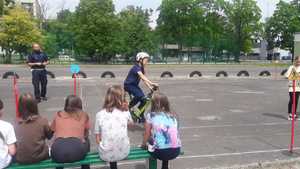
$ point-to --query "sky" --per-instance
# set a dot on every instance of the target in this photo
(267, 6)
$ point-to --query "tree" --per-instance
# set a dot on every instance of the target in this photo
(212, 34)
(243, 24)
(95, 27)
(135, 33)
(180, 22)
(58, 35)
(18, 31)
(1, 7)
(281, 27)
(194, 23)
(4, 5)
(177, 20)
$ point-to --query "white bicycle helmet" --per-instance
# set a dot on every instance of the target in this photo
(142, 55)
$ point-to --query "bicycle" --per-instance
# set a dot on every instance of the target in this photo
(137, 113)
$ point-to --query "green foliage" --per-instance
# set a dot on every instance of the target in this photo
(243, 24)
(18, 31)
(281, 27)
(58, 35)
(135, 33)
(1, 7)
(214, 25)
(5, 5)
(95, 27)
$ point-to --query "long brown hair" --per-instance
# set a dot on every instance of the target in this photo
(296, 60)
(1, 104)
(27, 106)
(114, 98)
(160, 103)
(1, 107)
(73, 106)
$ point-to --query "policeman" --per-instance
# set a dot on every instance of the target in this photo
(37, 61)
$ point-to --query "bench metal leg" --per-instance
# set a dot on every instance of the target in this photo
(152, 163)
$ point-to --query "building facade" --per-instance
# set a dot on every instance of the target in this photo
(32, 6)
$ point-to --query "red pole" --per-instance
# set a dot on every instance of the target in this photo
(78, 86)
(75, 83)
(16, 94)
(293, 117)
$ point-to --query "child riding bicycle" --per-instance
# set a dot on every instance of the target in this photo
(131, 83)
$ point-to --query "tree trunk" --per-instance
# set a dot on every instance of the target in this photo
(8, 57)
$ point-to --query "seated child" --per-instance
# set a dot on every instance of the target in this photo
(161, 135)
(7, 141)
(32, 131)
(111, 127)
(71, 130)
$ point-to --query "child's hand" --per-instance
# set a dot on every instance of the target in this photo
(144, 146)
(155, 84)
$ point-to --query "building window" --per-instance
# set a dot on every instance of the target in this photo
(28, 7)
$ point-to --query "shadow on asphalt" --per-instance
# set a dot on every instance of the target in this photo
(278, 116)
(289, 154)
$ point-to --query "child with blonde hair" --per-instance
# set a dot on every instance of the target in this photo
(111, 127)
(296, 67)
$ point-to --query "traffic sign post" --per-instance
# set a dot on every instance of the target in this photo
(75, 69)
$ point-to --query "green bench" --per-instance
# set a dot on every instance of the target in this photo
(92, 159)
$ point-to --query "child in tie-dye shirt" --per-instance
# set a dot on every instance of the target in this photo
(161, 131)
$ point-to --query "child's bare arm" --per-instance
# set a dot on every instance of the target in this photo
(98, 138)
(12, 149)
(146, 80)
(147, 134)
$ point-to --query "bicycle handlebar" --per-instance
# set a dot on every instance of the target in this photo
(155, 88)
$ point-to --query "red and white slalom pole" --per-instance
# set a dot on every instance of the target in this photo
(75, 84)
(293, 117)
(16, 95)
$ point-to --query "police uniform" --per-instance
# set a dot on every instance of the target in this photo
(39, 74)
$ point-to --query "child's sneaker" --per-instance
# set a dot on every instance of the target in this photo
(151, 148)
(290, 117)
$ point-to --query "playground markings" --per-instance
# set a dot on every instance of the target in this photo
(236, 154)
(236, 111)
(248, 92)
(237, 125)
(186, 97)
(204, 100)
(209, 118)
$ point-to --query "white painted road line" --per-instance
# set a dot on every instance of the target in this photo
(211, 155)
(204, 100)
(236, 125)
(236, 154)
(248, 92)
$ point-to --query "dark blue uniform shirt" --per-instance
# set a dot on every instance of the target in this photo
(37, 57)
(133, 78)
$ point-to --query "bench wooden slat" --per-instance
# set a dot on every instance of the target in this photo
(91, 158)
